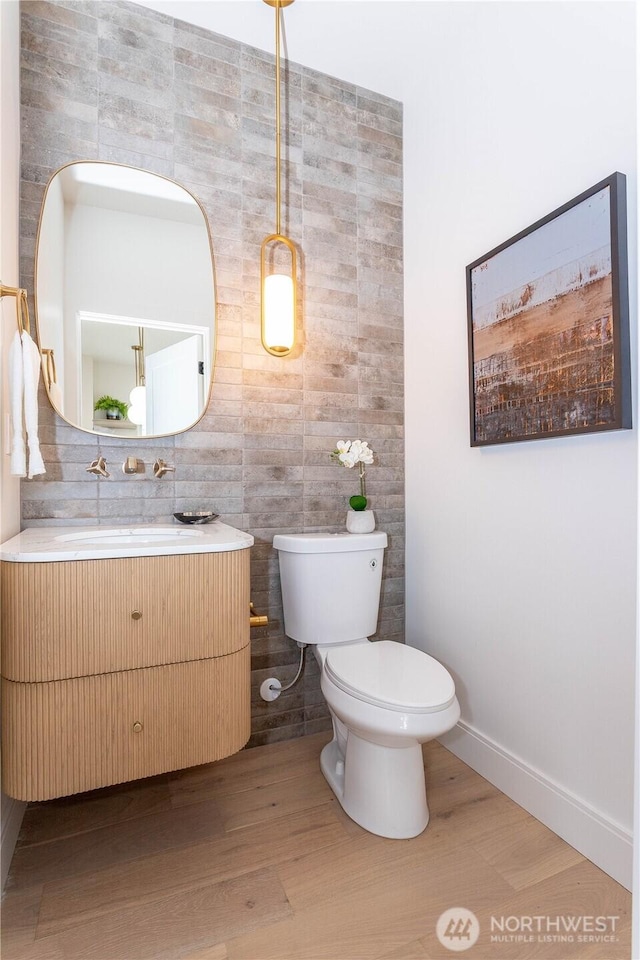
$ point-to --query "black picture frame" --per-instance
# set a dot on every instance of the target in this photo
(548, 325)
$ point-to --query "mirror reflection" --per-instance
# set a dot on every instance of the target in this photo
(125, 301)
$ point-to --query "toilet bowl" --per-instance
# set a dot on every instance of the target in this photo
(385, 698)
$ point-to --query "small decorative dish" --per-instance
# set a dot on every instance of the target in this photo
(198, 516)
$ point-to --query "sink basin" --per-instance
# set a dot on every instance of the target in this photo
(130, 535)
(47, 544)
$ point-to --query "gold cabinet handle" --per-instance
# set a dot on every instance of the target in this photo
(137, 727)
(136, 615)
(255, 620)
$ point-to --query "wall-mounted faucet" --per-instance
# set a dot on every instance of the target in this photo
(98, 467)
(160, 468)
(133, 465)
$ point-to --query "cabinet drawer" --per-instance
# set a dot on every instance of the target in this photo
(83, 617)
(74, 735)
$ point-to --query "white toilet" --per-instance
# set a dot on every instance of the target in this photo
(385, 698)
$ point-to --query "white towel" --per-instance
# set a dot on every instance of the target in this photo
(24, 374)
(31, 376)
(16, 391)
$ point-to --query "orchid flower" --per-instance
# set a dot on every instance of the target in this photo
(350, 452)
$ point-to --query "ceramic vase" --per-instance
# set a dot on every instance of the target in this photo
(361, 521)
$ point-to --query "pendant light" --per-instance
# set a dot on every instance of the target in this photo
(137, 412)
(278, 289)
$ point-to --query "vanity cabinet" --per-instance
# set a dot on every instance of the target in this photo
(118, 669)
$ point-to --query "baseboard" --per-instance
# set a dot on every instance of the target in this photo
(603, 842)
(12, 814)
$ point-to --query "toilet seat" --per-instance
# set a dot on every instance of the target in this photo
(391, 675)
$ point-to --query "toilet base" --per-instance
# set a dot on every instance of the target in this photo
(382, 788)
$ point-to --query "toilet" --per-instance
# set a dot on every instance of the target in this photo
(385, 698)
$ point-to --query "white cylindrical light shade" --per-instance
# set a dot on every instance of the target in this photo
(137, 412)
(138, 396)
(279, 312)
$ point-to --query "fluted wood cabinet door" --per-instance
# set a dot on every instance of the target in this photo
(69, 736)
(84, 617)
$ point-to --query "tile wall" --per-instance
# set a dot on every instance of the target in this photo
(115, 81)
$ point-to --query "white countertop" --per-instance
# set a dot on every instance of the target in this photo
(50, 544)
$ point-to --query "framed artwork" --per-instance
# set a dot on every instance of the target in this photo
(548, 318)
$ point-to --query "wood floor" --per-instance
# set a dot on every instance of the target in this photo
(252, 858)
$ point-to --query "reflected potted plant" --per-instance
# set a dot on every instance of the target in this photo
(114, 409)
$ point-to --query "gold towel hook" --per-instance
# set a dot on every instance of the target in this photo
(49, 365)
(22, 306)
(25, 318)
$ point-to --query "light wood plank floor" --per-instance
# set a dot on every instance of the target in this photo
(252, 858)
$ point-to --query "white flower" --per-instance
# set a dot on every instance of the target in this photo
(361, 451)
(341, 453)
(350, 452)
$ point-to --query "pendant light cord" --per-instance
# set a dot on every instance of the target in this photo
(278, 291)
(277, 118)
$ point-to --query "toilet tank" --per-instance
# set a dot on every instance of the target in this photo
(330, 585)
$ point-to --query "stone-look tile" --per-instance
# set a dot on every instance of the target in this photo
(338, 93)
(73, 129)
(58, 13)
(139, 22)
(126, 77)
(58, 41)
(115, 81)
(133, 116)
(61, 75)
(198, 40)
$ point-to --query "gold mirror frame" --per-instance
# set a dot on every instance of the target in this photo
(46, 353)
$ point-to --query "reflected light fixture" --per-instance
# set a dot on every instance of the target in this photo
(137, 411)
(278, 289)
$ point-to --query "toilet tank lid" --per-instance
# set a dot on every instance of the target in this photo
(329, 542)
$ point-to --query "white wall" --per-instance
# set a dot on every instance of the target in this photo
(9, 189)
(155, 261)
(521, 558)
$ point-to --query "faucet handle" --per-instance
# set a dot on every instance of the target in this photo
(98, 467)
(160, 468)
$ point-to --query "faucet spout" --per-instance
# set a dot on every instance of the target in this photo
(160, 468)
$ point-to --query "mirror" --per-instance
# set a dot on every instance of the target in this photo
(125, 301)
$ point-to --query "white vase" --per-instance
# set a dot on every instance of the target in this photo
(361, 521)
